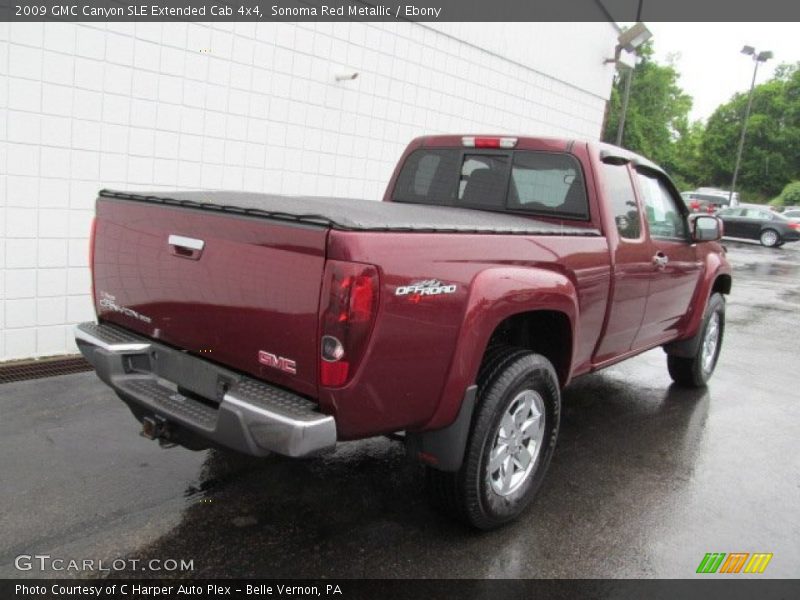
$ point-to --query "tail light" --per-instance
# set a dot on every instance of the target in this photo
(349, 304)
(92, 233)
(795, 226)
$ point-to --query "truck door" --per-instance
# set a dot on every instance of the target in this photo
(632, 263)
(675, 269)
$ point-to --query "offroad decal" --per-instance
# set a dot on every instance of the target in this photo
(429, 287)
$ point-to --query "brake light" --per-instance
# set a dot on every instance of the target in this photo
(92, 230)
(349, 304)
(489, 142)
(795, 226)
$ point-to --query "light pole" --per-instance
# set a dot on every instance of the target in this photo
(629, 41)
(625, 97)
(757, 58)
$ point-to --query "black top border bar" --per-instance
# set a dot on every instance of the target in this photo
(401, 10)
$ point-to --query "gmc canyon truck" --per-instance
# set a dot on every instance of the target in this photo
(451, 314)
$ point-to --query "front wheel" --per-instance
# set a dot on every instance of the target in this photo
(510, 445)
(770, 238)
(695, 371)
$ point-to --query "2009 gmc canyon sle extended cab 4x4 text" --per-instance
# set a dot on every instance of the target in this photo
(495, 270)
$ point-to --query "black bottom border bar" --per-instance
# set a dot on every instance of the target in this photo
(728, 588)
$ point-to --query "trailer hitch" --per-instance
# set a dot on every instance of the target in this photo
(157, 428)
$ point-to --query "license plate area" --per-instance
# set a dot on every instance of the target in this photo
(180, 370)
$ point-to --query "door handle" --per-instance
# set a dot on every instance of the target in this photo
(186, 247)
(660, 260)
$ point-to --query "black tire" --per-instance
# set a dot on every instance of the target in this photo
(508, 377)
(770, 238)
(692, 371)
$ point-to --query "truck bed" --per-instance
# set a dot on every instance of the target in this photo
(350, 214)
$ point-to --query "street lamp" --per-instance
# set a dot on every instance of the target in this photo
(632, 38)
(629, 40)
(758, 57)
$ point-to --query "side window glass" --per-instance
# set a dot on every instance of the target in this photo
(661, 209)
(755, 213)
(619, 191)
(735, 212)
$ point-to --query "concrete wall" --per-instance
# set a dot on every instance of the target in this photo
(246, 107)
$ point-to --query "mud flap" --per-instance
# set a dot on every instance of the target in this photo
(443, 449)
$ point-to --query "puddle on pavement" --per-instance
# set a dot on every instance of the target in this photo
(769, 268)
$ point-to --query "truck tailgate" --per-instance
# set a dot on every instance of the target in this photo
(236, 290)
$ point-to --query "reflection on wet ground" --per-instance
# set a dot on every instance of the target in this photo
(646, 479)
(780, 262)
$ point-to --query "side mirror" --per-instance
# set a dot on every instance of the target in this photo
(706, 228)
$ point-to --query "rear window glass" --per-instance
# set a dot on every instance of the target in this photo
(428, 177)
(520, 181)
(483, 180)
(545, 182)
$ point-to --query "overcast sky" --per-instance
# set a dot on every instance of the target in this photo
(711, 66)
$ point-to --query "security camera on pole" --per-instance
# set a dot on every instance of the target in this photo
(628, 41)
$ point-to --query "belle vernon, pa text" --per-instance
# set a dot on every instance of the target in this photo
(155, 591)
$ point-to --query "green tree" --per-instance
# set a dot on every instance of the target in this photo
(684, 160)
(771, 156)
(790, 196)
(657, 121)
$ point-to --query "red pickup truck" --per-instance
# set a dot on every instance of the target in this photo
(495, 271)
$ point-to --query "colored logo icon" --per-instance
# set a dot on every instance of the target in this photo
(735, 562)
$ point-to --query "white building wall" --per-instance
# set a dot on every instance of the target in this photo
(245, 107)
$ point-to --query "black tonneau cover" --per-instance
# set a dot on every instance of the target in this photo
(350, 214)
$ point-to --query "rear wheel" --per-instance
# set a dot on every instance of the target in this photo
(770, 238)
(695, 371)
(511, 441)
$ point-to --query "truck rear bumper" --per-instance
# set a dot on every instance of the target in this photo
(185, 392)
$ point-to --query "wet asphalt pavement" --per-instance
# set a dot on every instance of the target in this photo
(646, 479)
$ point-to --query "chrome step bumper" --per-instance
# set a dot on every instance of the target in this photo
(239, 412)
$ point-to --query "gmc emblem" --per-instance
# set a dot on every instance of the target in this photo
(277, 362)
